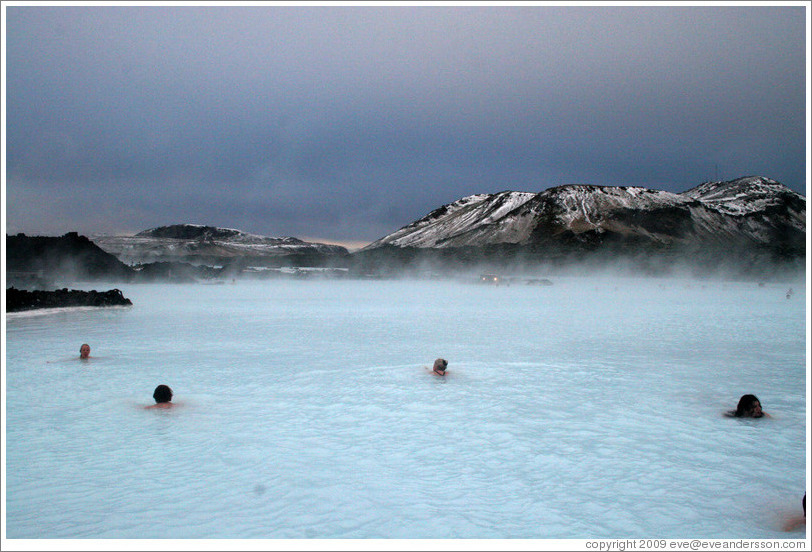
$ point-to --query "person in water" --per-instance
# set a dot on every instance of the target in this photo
(440, 366)
(162, 396)
(797, 522)
(84, 351)
(749, 407)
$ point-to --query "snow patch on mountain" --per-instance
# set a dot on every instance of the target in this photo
(455, 220)
(751, 209)
(584, 207)
(741, 196)
(185, 242)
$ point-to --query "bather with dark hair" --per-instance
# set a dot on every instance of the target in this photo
(749, 407)
(162, 396)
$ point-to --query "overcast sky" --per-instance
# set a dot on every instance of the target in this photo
(344, 123)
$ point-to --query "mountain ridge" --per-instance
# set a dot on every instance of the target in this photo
(745, 209)
(750, 226)
(202, 244)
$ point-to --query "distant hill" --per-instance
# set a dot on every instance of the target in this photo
(749, 221)
(208, 245)
(751, 226)
(68, 257)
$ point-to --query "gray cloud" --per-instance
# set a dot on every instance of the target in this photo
(347, 122)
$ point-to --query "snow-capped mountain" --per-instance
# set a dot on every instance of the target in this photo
(472, 214)
(196, 243)
(747, 211)
(748, 195)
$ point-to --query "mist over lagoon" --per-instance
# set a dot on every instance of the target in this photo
(591, 408)
(556, 152)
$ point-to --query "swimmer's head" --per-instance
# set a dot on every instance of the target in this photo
(162, 394)
(749, 407)
(84, 351)
(440, 365)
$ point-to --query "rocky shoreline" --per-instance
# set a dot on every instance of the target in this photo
(22, 300)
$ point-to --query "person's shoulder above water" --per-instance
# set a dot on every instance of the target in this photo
(163, 397)
(749, 407)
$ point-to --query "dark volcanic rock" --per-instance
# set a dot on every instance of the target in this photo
(63, 257)
(22, 300)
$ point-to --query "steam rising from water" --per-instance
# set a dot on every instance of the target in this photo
(590, 408)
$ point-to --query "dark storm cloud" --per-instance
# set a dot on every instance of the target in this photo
(348, 122)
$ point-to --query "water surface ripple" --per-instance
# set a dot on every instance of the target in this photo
(588, 409)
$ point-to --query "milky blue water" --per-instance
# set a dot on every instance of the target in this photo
(592, 408)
